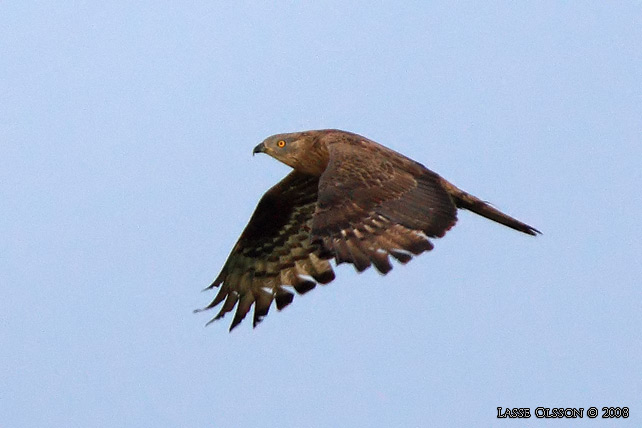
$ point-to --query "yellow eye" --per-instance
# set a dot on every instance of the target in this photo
(280, 143)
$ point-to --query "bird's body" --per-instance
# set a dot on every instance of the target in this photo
(349, 199)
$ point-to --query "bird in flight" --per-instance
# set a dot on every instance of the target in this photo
(348, 198)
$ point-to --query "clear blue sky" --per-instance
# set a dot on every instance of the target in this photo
(126, 175)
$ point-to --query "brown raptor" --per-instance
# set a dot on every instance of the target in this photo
(348, 198)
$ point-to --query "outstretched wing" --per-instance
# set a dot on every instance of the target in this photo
(374, 202)
(274, 250)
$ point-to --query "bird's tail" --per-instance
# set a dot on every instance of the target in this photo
(469, 202)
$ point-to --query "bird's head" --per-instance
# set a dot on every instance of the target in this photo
(300, 150)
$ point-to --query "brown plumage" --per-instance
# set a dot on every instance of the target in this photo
(348, 199)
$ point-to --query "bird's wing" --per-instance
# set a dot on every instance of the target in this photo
(273, 250)
(374, 202)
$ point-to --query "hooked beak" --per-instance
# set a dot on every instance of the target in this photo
(259, 149)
